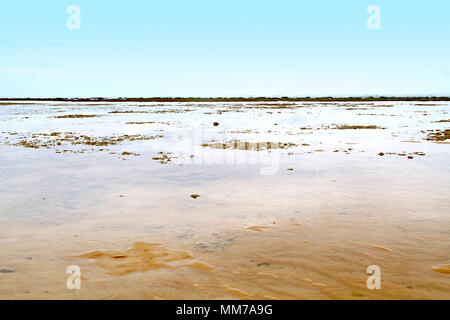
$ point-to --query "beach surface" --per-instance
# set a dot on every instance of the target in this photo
(225, 200)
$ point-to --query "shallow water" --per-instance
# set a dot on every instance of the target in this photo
(291, 204)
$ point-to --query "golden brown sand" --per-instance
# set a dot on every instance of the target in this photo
(291, 261)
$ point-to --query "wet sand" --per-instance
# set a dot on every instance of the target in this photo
(225, 200)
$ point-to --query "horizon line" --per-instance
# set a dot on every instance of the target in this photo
(233, 98)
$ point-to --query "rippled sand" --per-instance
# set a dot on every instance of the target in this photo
(225, 200)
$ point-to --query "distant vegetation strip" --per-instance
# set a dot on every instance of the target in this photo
(234, 99)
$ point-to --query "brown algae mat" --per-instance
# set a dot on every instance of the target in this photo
(143, 257)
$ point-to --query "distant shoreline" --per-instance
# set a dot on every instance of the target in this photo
(234, 99)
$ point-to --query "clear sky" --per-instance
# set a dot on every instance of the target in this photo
(224, 48)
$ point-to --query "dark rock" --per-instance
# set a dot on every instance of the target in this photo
(6, 271)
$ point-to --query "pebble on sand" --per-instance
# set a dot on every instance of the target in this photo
(6, 271)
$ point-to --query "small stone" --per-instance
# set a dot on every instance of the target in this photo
(215, 124)
(263, 264)
(195, 196)
(6, 271)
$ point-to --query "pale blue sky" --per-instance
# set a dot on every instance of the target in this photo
(224, 48)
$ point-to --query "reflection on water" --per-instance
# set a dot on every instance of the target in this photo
(292, 200)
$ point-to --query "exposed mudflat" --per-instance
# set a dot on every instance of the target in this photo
(225, 200)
